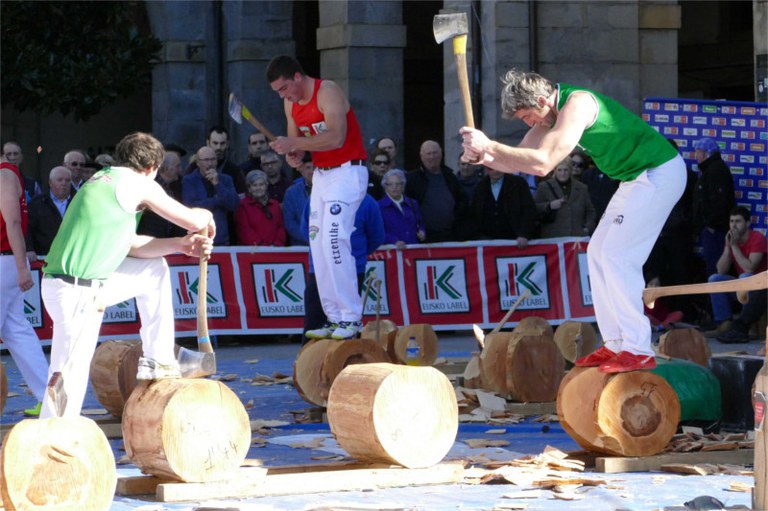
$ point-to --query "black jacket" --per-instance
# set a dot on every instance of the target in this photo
(44, 221)
(416, 188)
(513, 214)
(713, 197)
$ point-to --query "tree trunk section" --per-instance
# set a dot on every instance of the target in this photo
(386, 336)
(493, 365)
(534, 368)
(575, 339)
(426, 338)
(531, 323)
(190, 430)
(3, 388)
(319, 362)
(624, 414)
(686, 343)
(57, 464)
(387, 413)
(108, 371)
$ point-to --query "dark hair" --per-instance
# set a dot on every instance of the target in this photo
(217, 129)
(139, 151)
(742, 212)
(378, 152)
(283, 66)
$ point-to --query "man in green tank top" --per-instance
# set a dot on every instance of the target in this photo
(97, 260)
(652, 174)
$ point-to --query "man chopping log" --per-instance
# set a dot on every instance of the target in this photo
(97, 260)
(652, 174)
(321, 120)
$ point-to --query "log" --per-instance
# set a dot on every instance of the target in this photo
(575, 339)
(113, 373)
(3, 388)
(426, 338)
(687, 344)
(534, 322)
(57, 464)
(403, 415)
(320, 361)
(623, 414)
(190, 430)
(386, 335)
(493, 367)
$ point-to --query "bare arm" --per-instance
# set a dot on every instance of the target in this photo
(542, 148)
(10, 191)
(147, 247)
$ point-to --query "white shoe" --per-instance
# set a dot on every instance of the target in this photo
(347, 330)
(324, 332)
(151, 369)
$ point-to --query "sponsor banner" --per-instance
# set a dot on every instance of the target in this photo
(383, 266)
(577, 280)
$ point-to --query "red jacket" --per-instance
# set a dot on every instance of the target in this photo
(254, 225)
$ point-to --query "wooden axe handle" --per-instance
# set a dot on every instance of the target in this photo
(506, 317)
(203, 339)
(247, 115)
(740, 286)
(460, 51)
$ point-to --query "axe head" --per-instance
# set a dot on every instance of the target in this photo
(57, 394)
(235, 108)
(196, 364)
(448, 26)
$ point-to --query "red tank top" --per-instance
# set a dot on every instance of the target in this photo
(310, 122)
(4, 244)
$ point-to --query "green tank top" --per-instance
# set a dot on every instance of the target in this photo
(621, 144)
(96, 232)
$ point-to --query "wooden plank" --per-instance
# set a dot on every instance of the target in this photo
(532, 408)
(649, 463)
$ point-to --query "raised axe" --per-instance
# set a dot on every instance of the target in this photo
(238, 111)
(454, 25)
(740, 286)
(201, 363)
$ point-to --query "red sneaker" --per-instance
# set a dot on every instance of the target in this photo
(625, 362)
(596, 358)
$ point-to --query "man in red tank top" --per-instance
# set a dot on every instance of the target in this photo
(15, 279)
(321, 121)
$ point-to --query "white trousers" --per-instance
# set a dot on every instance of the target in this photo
(77, 313)
(620, 246)
(17, 333)
(336, 196)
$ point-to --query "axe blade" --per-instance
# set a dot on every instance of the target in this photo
(196, 364)
(57, 394)
(235, 108)
(446, 26)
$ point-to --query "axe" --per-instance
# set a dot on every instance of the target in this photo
(197, 364)
(740, 286)
(454, 25)
(480, 336)
(238, 112)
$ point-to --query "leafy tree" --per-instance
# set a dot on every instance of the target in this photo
(72, 57)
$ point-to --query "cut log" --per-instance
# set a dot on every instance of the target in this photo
(493, 367)
(3, 388)
(575, 339)
(624, 414)
(534, 322)
(108, 371)
(425, 337)
(686, 343)
(387, 334)
(534, 368)
(319, 362)
(472, 373)
(190, 430)
(57, 464)
(391, 413)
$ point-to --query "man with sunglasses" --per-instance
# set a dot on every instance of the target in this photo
(75, 160)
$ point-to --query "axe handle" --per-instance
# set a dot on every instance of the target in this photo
(740, 286)
(256, 124)
(460, 51)
(203, 339)
(512, 309)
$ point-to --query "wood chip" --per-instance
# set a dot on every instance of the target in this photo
(738, 486)
(491, 401)
(94, 411)
(683, 468)
(495, 431)
(252, 361)
(479, 443)
(312, 444)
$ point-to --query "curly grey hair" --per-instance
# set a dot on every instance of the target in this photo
(393, 173)
(521, 90)
(254, 176)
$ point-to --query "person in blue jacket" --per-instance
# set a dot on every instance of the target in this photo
(366, 238)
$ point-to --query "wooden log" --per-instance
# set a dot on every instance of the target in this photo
(623, 414)
(575, 339)
(426, 338)
(320, 361)
(687, 344)
(387, 332)
(472, 373)
(534, 322)
(108, 371)
(389, 413)
(534, 368)
(493, 367)
(191, 430)
(3, 387)
(57, 464)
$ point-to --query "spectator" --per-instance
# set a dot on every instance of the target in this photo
(366, 238)
(172, 147)
(88, 169)
(713, 200)
(744, 253)
(295, 200)
(388, 144)
(578, 163)
(601, 187)
(206, 187)
(75, 160)
(436, 189)
(502, 208)
(469, 177)
(218, 140)
(13, 155)
(272, 166)
(169, 179)
(47, 210)
(258, 219)
(105, 160)
(564, 204)
(257, 145)
(378, 164)
(16, 279)
(401, 215)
